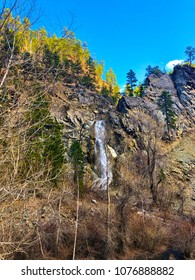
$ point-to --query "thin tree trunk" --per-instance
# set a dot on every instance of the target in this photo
(76, 222)
(108, 214)
(122, 224)
(8, 65)
(108, 221)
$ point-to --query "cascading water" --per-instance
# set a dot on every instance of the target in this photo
(102, 165)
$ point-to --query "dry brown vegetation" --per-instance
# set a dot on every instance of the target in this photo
(37, 215)
(44, 212)
(41, 225)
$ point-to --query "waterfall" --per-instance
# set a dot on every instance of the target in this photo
(102, 164)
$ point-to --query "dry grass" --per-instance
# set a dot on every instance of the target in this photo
(43, 228)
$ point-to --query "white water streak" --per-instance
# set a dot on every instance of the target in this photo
(102, 165)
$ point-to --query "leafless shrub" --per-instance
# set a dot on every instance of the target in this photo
(182, 236)
(146, 233)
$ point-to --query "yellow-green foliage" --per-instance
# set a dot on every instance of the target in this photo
(59, 56)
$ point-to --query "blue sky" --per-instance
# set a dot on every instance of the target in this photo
(126, 34)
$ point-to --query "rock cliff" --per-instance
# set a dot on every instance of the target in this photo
(131, 122)
(184, 81)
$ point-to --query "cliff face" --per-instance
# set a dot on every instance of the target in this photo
(184, 80)
(181, 85)
(78, 108)
(129, 125)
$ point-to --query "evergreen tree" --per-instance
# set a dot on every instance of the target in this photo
(54, 149)
(91, 65)
(45, 134)
(47, 57)
(89, 78)
(131, 82)
(105, 91)
(152, 70)
(87, 81)
(148, 70)
(165, 104)
(77, 157)
(190, 52)
(76, 68)
(141, 90)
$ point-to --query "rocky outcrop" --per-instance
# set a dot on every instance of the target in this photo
(181, 85)
(80, 108)
(158, 83)
(184, 80)
(130, 123)
(78, 111)
(127, 103)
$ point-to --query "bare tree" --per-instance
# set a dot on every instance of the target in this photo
(19, 9)
(151, 147)
(148, 156)
(124, 200)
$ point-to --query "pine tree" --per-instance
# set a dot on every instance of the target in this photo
(165, 104)
(77, 157)
(105, 91)
(152, 70)
(190, 52)
(46, 147)
(131, 82)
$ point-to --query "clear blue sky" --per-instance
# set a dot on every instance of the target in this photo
(126, 34)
